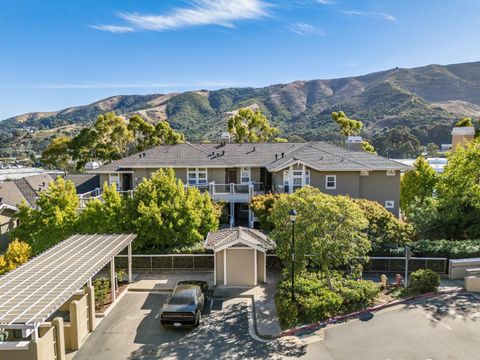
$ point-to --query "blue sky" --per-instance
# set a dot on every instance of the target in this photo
(55, 54)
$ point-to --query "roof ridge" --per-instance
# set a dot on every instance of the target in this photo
(343, 157)
(205, 152)
(288, 152)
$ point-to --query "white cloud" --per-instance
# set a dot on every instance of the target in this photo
(113, 28)
(376, 15)
(325, 2)
(201, 12)
(306, 29)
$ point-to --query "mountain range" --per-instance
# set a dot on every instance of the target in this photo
(427, 100)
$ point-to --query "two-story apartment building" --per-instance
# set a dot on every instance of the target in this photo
(235, 172)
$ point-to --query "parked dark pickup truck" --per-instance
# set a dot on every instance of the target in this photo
(184, 307)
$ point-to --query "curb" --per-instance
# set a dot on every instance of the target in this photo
(337, 319)
(150, 290)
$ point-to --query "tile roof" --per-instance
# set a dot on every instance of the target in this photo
(217, 239)
(319, 155)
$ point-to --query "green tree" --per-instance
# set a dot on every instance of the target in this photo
(329, 228)
(167, 215)
(367, 147)
(250, 126)
(465, 122)
(17, 253)
(432, 150)
(53, 220)
(348, 127)
(398, 142)
(57, 154)
(112, 137)
(383, 227)
(262, 206)
(147, 135)
(108, 216)
(417, 184)
(83, 148)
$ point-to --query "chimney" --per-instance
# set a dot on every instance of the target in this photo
(462, 135)
(354, 143)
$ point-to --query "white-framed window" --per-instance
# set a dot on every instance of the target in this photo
(364, 173)
(331, 182)
(299, 179)
(391, 172)
(114, 179)
(245, 175)
(389, 204)
(197, 176)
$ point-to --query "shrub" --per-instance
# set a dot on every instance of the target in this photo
(102, 288)
(316, 302)
(452, 249)
(424, 281)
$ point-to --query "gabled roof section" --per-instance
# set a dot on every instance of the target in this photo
(463, 130)
(225, 238)
(322, 156)
(273, 156)
(84, 182)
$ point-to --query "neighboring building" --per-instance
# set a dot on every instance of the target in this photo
(84, 183)
(438, 164)
(462, 135)
(234, 172)
(12, 194)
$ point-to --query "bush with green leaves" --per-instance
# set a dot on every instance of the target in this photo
(316, 302)
(424, 281)
(102, 288)
(262, 205)
(450, 249)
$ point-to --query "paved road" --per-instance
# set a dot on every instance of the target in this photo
(132, 331)
(442, 328)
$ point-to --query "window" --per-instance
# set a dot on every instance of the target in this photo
(307, 177)
(299, 178)
(331, 182)
(197, 176)
(389, 204)
(245, 175)
(364, 173)
(391, 172)
(114, 179)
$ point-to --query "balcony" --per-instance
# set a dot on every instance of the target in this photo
(232, 192)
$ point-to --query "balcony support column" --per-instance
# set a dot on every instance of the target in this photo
(232, 214)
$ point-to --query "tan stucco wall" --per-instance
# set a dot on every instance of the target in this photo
(41, 349)
(139, 175)
(240, 267)
(219, 267)
(260, 267)
(377, 186)
(348, 182)
(103, 180)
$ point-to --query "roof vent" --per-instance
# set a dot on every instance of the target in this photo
(43, 183)
(253, 148)
(223, 152)
(144, 154)
(283, 154)
(140, 156)
(1, 200)
(276, 156)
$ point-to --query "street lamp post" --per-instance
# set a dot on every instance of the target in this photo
(293, 218)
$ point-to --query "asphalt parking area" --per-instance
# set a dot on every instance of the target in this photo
(132, 330)
(446, 327)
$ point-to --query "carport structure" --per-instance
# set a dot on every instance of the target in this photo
(240, 256)
(52, 282)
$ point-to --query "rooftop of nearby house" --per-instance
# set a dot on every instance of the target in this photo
(463, 130)
(27, 188)
(84, 183)
(273, 156)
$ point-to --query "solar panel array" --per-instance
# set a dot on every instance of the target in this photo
(35, 290)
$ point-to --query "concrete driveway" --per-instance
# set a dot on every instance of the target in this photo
(132, 331)
(442, 328)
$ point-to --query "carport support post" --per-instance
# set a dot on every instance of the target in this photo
(112, 278)
(130, 279)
